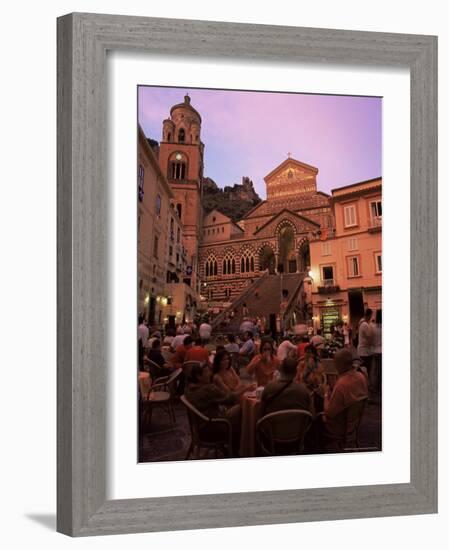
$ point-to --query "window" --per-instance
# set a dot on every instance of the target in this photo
(155, 246)
(328, 273)
(352, 243)
(353, 266)
(140, 181)
(326, 249)
(178, 170)
(178, 235)
(378, 260)
(222, 229)
(170, 251)
(227, 293)
(181, 135)
(158, 205)
(179, 209)
(247, 263)
(350, 215)
(376, 209)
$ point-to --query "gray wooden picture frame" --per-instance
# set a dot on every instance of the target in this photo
(83, 41)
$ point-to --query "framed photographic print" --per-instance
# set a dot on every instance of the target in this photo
(228, 327)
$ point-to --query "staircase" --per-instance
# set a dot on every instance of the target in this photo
(268, 289)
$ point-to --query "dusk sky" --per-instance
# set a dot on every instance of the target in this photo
(250, 133)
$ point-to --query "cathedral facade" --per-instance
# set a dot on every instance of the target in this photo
(274, 236)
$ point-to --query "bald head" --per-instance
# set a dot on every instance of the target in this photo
(343, 360)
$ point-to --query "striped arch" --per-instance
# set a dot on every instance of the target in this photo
(285, 222)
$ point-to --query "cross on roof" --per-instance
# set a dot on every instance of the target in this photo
(289, 154)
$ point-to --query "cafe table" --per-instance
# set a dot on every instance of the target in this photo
(251, 410)
(144, 383)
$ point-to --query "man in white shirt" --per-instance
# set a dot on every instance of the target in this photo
(366, 342)
(142, 330)
(285, 349)
(205, 331)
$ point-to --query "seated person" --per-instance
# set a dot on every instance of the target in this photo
(302, 346)
(285, 392)
(214, 402)
(181, 350)
(224, 375)
(318, 340)
(246, 352)
(197, 352)
(232, 346)
(265, 364)
(351, 386)
(285, 349)
(311, 374)
(156, 357)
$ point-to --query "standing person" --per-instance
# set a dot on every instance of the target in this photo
(142, 330)
(265, 364)
(245, 310)
(205, 330)
(366, 342)
(377, 352)
(247, 325)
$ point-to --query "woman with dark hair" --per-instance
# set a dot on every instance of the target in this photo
(224, 375)
(265, 364)
(311, 374)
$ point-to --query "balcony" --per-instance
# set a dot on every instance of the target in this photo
(375, 224)
(329, 286)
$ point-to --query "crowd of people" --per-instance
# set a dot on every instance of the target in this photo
(287, 371)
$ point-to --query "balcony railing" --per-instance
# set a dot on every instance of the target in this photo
(329, 286)
(375, 224)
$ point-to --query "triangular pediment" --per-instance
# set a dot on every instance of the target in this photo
(293, 164)
(301, 223)
(291, 180)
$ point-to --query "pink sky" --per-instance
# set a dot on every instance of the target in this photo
(250, 133)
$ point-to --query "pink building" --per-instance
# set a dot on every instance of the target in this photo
(346, 261)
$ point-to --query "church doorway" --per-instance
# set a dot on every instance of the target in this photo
(267, 260)
(287, 256)
(304, 257)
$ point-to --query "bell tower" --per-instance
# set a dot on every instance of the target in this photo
(181, 160)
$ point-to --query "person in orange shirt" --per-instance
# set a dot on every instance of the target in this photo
(265, 364)
(181, 350)
(302, 346)
(198, 353)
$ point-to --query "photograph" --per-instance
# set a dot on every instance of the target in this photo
(259, 273)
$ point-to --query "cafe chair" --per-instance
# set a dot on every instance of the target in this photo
(351, 418)
(211, 434)
(161, 394)
(282, 432)
(153, 368)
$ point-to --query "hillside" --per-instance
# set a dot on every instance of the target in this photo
(233, 201)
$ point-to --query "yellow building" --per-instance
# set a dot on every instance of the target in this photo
(164, 295)
(346, 262)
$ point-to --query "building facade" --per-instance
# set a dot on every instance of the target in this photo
(346, 263)
(164, 293)
(209, 261)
